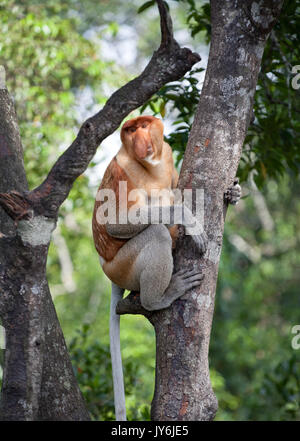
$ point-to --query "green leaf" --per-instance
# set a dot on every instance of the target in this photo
(146, 6)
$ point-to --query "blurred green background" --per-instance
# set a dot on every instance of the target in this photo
(63, 60)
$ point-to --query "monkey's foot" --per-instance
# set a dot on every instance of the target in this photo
(234, 193)
(180, 283)
(183, 281)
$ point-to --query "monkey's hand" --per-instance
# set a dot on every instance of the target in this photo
(234, 193)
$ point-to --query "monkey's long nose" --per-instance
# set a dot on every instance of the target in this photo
(142, 145)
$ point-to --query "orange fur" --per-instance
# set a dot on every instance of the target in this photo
(131, 165)
(106, 245)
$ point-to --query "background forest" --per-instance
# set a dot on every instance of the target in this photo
(63, 59)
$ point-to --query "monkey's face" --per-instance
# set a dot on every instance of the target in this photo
(142, 138)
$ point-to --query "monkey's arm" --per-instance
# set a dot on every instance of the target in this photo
(125, 231)
(142, 217)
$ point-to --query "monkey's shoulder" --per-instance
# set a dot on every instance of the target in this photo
(113, 175)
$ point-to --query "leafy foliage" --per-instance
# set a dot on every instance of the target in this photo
(45, 74)
(198, 18)
(182, 98)
(92, 367)
(272, 144)
(256, 308)
(283, 385)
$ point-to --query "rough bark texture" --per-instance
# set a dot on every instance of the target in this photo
(239, 31)
(169, 63)
(11, 155)
(39, 382)
(183, 390)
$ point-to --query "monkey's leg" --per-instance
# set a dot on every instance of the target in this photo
(166, 215)
(145, 264)
(158, 288)
(143, 250)
(180, 283)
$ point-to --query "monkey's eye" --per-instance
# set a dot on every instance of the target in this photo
(132, 129)
(144, 125)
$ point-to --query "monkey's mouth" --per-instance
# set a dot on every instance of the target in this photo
(148, 153)
(150, 160)
(142, 148)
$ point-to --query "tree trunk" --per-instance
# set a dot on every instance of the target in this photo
(239, 31)
(38, 381)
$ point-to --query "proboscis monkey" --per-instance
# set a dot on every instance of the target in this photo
(138, 256)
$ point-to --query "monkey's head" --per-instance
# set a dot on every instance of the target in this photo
(143, 138)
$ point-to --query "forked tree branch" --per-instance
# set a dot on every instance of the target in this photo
(182, 387)
(169, 63)
(15, 205)
(166, 26)
(36, 356)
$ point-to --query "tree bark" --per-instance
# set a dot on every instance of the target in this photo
(239, 32)
(38, 381)
(183, 390)
(11, 154)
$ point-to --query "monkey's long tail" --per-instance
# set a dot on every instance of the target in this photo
(115, 352)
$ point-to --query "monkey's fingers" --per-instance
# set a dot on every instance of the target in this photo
(180, 272)
(191, 285)
(230, 192)
(194, 274)
(236, 191)
(193, 278)
(233, 194)
(198, 277)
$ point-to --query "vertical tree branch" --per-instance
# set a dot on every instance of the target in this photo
(36, 361)
(239, 31)
(11, 153)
